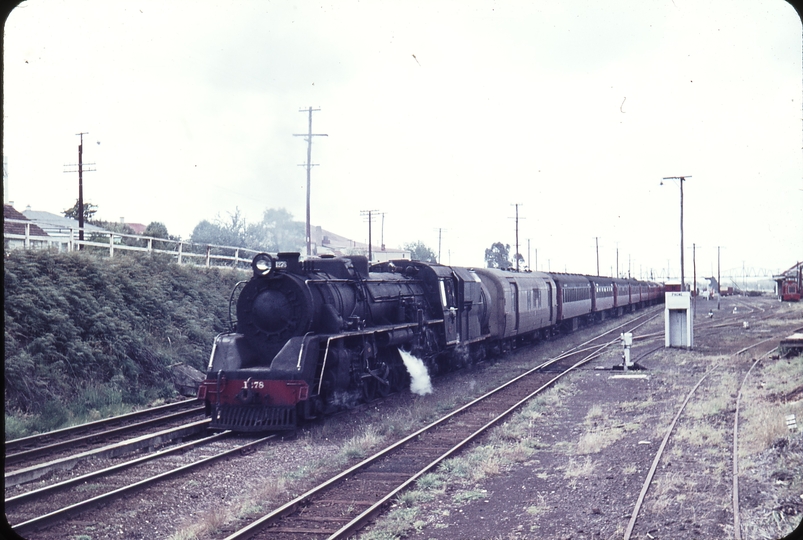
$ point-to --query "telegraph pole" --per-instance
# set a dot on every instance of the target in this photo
(382, 243)
(718, 278)
(681, 180)
(440, 234)
(516, 256)
(309, 135)
(596, 240)
(694, 267)
(370, 214)
(81, 185)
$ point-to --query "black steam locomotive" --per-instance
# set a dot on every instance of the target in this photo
(322, 334)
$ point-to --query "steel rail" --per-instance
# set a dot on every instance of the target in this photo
(24, 497)
(80, 428)
(737, 525)
(44, 450)
(577, 349)
(88, 503)
(21, 476)
(366, 515)
(293, 505)
(619, 327)
(648, 481)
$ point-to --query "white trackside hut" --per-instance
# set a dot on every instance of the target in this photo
(679, 320)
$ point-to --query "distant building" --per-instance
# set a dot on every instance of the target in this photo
(138, 228)
(326, 242)
(60, 227)
(15, 233)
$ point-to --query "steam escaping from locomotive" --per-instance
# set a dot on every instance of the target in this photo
(419, 377)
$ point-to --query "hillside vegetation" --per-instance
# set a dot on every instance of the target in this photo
(87, 337)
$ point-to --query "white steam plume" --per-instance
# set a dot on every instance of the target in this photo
(419, 377)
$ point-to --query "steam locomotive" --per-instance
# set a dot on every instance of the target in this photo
(322, 334)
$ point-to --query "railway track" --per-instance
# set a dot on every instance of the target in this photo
(355, 489)
(45, 506)
(650, 478)
(27, 451)
(346, 502)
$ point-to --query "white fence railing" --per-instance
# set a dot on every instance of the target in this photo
(103, 242)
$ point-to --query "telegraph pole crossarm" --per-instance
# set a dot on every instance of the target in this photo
(309, 135)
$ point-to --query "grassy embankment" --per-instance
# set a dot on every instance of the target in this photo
(87, 337)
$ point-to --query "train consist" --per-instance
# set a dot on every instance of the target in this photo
(322, 334)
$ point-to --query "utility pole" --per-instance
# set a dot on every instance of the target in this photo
(681, 179)
(309, 135)
(694, 266)
(369, 213)
(718, 278)
(440, 233)
(529, 262)
(516, 256)
(81, 185)
(382, 243)
(596, 240)
(617, 259)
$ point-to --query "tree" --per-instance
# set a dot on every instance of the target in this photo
(115, 227)
(207, 232)
(89, 211)
(421, 252)
(497, 256)
(157, 229)
(230, 232)
(277, 231)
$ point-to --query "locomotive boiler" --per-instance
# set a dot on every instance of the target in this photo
(317, 335)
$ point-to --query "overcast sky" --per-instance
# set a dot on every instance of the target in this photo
(442, 114)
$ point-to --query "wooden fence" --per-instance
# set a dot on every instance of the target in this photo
(103, 242)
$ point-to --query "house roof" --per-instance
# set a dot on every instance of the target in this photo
(18, 228)
(56, 225)
(138, 228)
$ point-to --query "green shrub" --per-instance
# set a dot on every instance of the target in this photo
(86, 335)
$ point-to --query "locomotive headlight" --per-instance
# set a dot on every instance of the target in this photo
(262, 264)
